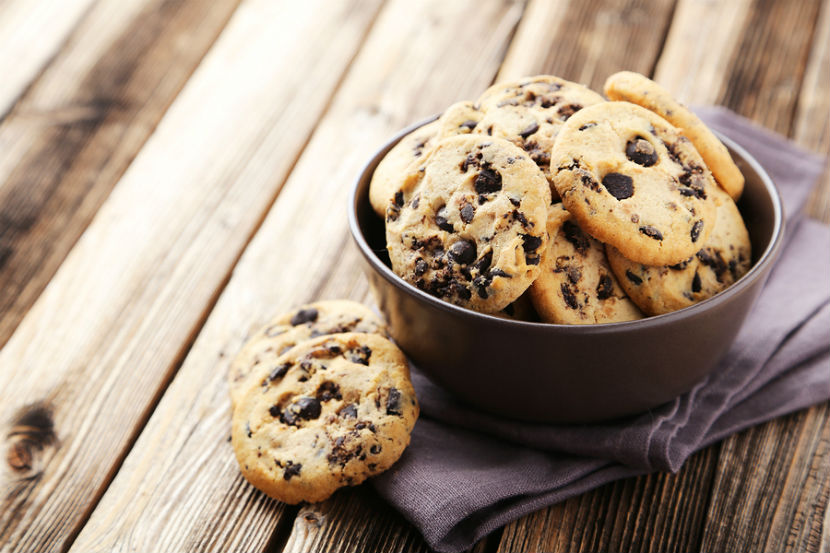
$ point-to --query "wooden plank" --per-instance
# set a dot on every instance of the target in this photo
(413, 64)
(587, 41)
(85, 367)
(77, 128)
(33, 32)
(707, 42)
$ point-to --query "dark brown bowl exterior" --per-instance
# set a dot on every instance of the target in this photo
(567, 373)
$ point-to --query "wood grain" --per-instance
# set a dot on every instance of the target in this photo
(71, 136)
(412, 64)
(102, 341)
(33, 32)
(587, 41)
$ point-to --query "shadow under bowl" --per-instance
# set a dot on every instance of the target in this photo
(567, 373)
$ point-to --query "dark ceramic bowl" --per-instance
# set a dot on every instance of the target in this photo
(567, 373)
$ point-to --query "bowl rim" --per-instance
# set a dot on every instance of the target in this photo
(756, 271)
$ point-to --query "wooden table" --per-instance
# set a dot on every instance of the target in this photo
(174, 173)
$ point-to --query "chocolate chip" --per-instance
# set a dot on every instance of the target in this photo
(291, 469)
(463, 252)
(278, 372)
(360, 355)
(375, 449)
(574, 274)
(248, 429)
(399, 198)
(469, 124)
(568, 296)
(651, 232)
(420, 267)
(415, 201)
(515, 201)
(349, 411)
(305, 408)
(328, 391)
(680, 266)
(530, 129)
(304, 316)
(487, 181)
(618, 185)
(576, 237)
(633, 278)
(441, 220)
(605, 287)
(565, 112)
(696, 283)
(696, 228)
(467, 212)
(519, 216)
(274, 410)
(499, 273)
(640, 151)
(587, 126)
(531, 243)
(483, 263)
(393, 402)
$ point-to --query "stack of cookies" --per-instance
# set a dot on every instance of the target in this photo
(321, 399)
(542, 191)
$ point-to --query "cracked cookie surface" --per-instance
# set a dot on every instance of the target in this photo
(577, 285)
(725, 257)
(289, 329)
(334, 411)
(630, 179)
(468, 226)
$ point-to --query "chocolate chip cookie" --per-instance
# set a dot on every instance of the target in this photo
(630, 179)
(576, 285)
(289, 329)
(335, 411)
(530, 112)
(468, 226)
(725, 257)
(640, 90)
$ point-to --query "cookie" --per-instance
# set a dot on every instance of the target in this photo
(640, 90)
(576, 285)
(289, 329)
(468, 226)
(459, 118)
(725, 257)
(386, 179)
(335, 411)
(630, 179)
(530, 113)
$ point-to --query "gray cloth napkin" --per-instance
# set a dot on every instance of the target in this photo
(467, 473)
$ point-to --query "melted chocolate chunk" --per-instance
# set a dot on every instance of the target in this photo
(441, 220)
(328, 391)
(696, 228)
(399, 198)
(519, 216)
(605, 287)
(633, 278)
(483, 263)
(576, 237)
(532, 128)
(566, 111)
(348, 411)
(277, 372)
(467, 212)
(305, 408)
(393, 402)
(360, 355)
(618, 185)
(274, 411)
(488, 180)
(696, 283)
(420, 267)
(713, 261)
(304, 316)
(680, 266)
(568, 296)
(291, 469)
(640, 151)
(463, 252)
(651, 232)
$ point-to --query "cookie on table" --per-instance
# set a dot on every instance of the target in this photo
(338, 410)
(577, 286)
(638, 89)
(632, 180)
(291, 328)
(386, 178)
(469, 225)
(529, 112)
(725, 257)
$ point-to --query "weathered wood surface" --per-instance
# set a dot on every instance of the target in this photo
(104, 338)
(252, 178)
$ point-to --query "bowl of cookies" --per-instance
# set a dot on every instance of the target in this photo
(548, 254)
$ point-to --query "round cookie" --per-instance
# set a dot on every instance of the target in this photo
(530, 113)
(638, 89)
(576, 285)
(469, 224)
(289, 329)
(725, 257)
(340, 410)
(386, 178)
(632, 180)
